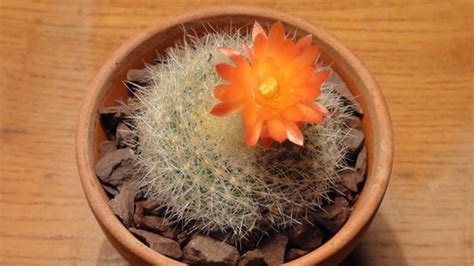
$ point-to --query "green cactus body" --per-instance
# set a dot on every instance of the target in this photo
(199, 165)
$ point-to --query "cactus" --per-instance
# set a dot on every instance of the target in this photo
(200, 166)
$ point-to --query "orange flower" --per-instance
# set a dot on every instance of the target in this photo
(276, 87)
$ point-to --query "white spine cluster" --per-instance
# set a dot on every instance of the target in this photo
(199, 164)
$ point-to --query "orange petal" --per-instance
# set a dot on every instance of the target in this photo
(225, 108)
(323, 110)
(225, 71)
(256, 68)
(264, 113)
(257, 30)
(303, 44)
(286, 52)
(265, 133)
(239, 61)
(303, 75)
(250, 114)
(252, 133)
(228, 51)
(277, 32)
(228, 93)
(265, 137)
(311, 88)
(266, 142)
(277, 129)
(319, 78)
(306, 92)
(307, 57)
(293, 133)
(292, 113)
(317, 107)
(243, 69)
(268, 67)
(276, 38)
(260, 47)
(309, 114)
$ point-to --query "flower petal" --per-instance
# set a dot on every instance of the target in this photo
(309, 55)
(286, 52)
(250, 113)
(293, 113)
(307, 58)
(303, 75)
(257, 30)
(306, 92)
(319, 78)
(276, 39)
(277, 129)
(225, 108)
(317, 107)
(266, 142)
(239, 61)
(265, 133)
(309, 114)
(303, 44)
(225, 71)
(228, 51)
(228, 93)
(252, 133)
(323, 109)
(277, 32)
(260, 47)
(293, 133)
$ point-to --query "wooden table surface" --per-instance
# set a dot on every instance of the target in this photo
(421, 52)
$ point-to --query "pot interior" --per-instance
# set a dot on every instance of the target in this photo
(154, 41)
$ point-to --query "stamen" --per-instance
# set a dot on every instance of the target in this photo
(269, 87)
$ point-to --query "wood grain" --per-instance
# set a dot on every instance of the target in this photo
(420, 52)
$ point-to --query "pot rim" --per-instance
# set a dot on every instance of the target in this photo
(382, 157)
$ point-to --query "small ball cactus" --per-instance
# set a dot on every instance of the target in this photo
(200, 165)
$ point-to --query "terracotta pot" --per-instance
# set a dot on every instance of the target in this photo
(107, 87)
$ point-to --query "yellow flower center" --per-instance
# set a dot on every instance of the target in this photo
(269, 87)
